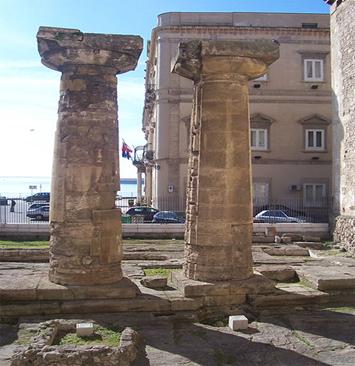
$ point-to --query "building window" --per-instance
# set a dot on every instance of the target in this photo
(260, 193)
(258, 138)
(314, 139)
(314, 194)
(313, 70)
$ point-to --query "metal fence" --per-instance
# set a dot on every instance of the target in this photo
(296, 210)
(15, 210)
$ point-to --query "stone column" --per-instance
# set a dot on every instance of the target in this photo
(148, 185)
(139, 185)
(218, 233)
(85, 226)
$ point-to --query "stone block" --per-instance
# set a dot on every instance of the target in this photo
(293, 250)
(154, 282)
(84, 329)
(311, 245)
(236, 299)
(236, 322)
(192, 288)
(293, 236)
(278, 273)
(311, 238)
(286, 240)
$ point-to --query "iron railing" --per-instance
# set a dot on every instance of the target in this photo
(317, 211)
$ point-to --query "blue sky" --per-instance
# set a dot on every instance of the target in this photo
(29, 91)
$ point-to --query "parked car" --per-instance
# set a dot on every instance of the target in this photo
(36, 205)
(40, 196)
(275, 216)
(146, 211)
(3, 201)
(39, 213)
(168, 217)
(288, 211)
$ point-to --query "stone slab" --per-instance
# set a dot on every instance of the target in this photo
(38, 287)
(311, 245)
(231, 291)
(289, 250)
(155, 282)
(280, 273)
(328, 278)
(290, 295)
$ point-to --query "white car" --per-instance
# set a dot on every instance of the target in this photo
(276, 216)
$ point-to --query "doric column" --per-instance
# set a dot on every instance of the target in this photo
(219, 203)
(85, 245)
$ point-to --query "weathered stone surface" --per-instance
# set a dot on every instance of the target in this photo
(310, 245)
(344, 233)
(43, 352)
(292, 250)
(329, 278)
(24, 255)
(343, 122)
(156, 282)
(302, 338)
(278, 273)
(292, 236)
(219, 249)
(86, 231)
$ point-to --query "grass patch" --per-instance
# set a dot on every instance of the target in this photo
(101, 336)
(9, 244)
(164, 272)
(304, 283)
(343, 309)
(154, 241)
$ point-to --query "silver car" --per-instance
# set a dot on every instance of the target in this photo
(39, 213)
(276, 216)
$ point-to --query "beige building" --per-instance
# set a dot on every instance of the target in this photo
(290, 107)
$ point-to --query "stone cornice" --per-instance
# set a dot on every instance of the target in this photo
(284, 31)
(62, 48)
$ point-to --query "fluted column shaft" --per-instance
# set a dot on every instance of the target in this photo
(86, 231)
(218, 233)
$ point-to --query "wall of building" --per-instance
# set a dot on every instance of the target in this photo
(285, 97)
(343, 82)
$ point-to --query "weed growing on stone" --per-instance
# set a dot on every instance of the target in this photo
(302, 339)
(101, 336)
(343, 309)
(164, 272)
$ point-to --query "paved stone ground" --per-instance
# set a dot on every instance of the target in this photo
(318, 338)
(287, 338)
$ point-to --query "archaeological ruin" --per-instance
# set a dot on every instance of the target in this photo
(343, 65)
(180, 302)
(86, 233)
(219, 200)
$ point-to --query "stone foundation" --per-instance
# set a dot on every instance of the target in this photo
(344, 232)
(41, 351)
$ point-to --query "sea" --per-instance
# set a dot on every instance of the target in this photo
(20, 187)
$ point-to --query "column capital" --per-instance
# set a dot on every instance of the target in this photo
(61, 48)
(248, 58)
